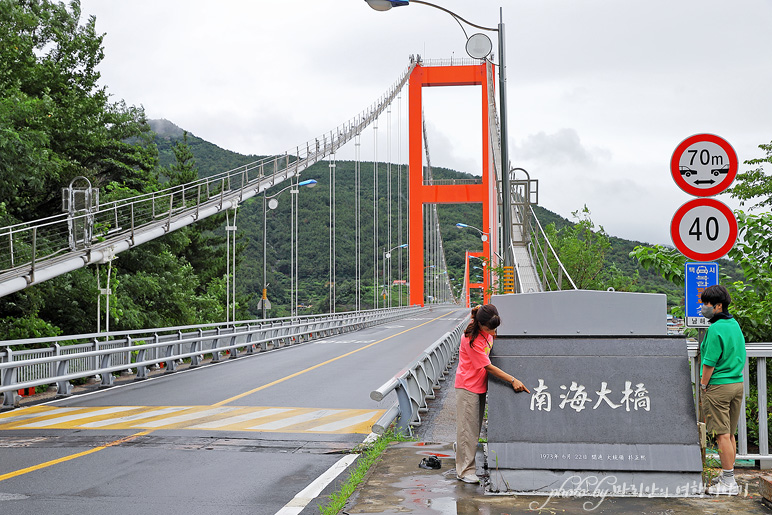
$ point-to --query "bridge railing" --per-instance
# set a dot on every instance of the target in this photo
(42, 361)
(113, 227)
(550, 268)
(417, 382)
(761, 352)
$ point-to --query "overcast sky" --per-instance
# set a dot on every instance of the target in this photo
(600, 92)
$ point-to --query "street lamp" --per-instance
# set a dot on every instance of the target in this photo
(387, 255)
(483, 235)
(273, 203)
(478, 48)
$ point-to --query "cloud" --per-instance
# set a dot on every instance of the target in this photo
(559, 148)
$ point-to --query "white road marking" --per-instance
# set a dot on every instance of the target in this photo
(299, 419)
(309, 493)
(60, 420)
(132, 418)
(346, 422)
(186, 417)
(240, 418)
(34, 414)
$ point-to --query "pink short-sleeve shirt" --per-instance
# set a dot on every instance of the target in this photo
(471, 374)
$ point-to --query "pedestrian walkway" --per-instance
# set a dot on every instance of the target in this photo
(397, 485)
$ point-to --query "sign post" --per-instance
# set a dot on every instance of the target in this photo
(698, 277)
(703, 229)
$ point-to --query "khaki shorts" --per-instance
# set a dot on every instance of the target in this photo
(721, 405)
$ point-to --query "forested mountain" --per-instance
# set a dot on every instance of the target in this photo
(314, 231)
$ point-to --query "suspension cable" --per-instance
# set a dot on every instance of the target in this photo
(332, 233)
(358, 217)
(387, 280)
(399, 191)
(375, 213)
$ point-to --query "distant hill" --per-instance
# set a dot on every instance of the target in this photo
(210, 158)
(314, 232)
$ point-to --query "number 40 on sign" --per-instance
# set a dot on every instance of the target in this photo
(704, 229)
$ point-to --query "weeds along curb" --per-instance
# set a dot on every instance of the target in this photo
(369, 455)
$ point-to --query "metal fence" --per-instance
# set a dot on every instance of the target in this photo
(42, 361)
(760, 351)
(417, 382)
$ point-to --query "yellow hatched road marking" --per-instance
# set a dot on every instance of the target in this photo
(221, 418)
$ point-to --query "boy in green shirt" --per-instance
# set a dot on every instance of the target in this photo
(721, 381)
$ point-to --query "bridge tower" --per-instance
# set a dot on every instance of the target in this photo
(422, 193)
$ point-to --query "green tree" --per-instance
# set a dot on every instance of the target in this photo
(56, 122)
(755, 183)
(184, 169)
(583, 249)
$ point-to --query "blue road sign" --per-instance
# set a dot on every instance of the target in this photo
(698, 277)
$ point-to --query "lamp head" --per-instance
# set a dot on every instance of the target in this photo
(461, 226)
(310, 183)
(385, 5)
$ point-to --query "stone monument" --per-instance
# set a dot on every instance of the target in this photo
(611, 408)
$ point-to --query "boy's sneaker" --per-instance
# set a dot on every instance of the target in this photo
(469, 478)
(722, 487)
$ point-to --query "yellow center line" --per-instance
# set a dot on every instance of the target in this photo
(255, 390)
(33, 468)
(120, 441)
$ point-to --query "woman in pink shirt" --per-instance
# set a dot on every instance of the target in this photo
(474, 365)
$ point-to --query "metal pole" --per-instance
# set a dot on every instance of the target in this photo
(99, 301)
(506, 196)
(227, 266)
(265, 280)
(384, 279)
(233, 257)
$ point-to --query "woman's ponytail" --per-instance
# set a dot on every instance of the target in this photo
(486, 315)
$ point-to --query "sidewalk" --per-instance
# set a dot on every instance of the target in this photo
(396, 484)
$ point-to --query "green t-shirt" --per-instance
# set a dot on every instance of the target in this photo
(724, 349)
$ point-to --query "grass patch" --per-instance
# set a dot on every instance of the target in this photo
(369, 454)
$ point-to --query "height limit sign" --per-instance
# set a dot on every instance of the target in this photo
(704, 229)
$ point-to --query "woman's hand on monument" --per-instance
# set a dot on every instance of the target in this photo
(519, 386)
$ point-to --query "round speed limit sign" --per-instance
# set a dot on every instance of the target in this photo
(704, 229)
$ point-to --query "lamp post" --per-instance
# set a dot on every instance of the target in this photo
(273, 203)
(387, 255)
(484, 238)
(477, 48)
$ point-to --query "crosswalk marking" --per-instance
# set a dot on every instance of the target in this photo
(221, 418)
(24, 414)
(131, 418)
(70, 418)
(346, 422)
(238, 419)
(297, 419)
(195, 415)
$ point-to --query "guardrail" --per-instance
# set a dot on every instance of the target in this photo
(760, 351)
(416, 383)
(87, 356)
